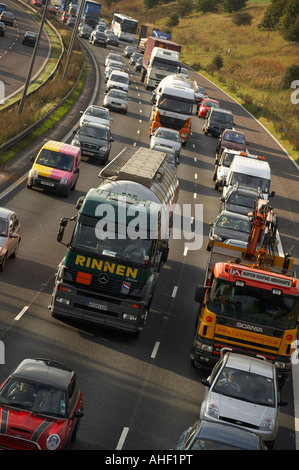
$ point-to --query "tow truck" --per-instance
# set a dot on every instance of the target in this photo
(249, 302)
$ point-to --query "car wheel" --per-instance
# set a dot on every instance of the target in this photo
(3, 263)
(14, 254)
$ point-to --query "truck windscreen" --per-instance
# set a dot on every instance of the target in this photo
(162, 64)
(177, 105)
(253, 305)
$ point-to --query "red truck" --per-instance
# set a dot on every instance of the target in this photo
(161, 58)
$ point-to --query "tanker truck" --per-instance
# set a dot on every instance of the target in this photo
(119, 243)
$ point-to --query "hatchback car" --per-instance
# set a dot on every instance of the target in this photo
(243, 391)
(110, 69)
(119, 80)
(112, 57)
(240, 199)
(116, 99)
(205, 105)
(2, 28)
(129, 50)
(217, 120)
(94, 140)
(10, 236)
(84, 31)
(229, 225)
(230, 139)
(7, 17)
(41, 405)
(170, 137)
(29, 38)
(222, 166)
(134, 57)
(138, 64)
(209, 435)
(98, 38)
(112, 40)
(98, 114)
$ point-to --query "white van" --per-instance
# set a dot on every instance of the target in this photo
(119, 80)
(252, 171)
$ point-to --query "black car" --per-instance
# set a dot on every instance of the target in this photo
(129, 50)
(7, 17)
(240, 199)
(98, 38)
(208, 435)
(217, 120)
(94, 140)
(112, 39)
(2, 28)
(138, 64)
(29, 38)
(134, 57)
(229, 225)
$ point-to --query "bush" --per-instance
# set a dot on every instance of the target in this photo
(242, 18)
(172, 20)
(291, 74)
(233, 5)
(218, 61)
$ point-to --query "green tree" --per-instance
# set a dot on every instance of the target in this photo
(184, 8)
(233, 5)
(206, 6)
(172, 20)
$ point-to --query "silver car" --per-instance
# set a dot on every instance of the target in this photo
(97, 114)
(116, 99)
(243, 391)
(10, 236)
(167, 137)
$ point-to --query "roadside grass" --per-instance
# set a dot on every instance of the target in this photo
(252, 72)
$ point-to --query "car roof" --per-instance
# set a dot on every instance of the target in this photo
(250, 364)
(5, 213)
(228, 433)
(233, 214)
(221, 110)
(119, 72)
(94, 124)
(95, 106)
(44, 371)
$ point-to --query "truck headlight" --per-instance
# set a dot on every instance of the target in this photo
(34, 173)
(104, 149)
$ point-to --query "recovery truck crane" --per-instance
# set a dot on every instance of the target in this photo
(249, 302)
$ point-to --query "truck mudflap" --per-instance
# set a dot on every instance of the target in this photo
(69, 302)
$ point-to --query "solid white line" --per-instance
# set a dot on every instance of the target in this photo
(122, 438)
(24, 309)
(155, 350)
(175, 289)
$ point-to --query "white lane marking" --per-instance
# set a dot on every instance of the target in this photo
(185, 251)
(155, 350)
(24, 310)
(122, 438)
(175, 289)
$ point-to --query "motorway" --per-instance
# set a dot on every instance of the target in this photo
(139, 392)
(15, 57)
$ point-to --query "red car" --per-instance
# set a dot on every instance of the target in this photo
(40, 406)
(64, 17)
(52, 10)
(205, 105)
(37, 3)
(231, 139)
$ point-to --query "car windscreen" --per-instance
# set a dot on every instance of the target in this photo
(96, 112)
(119, 78)
(34, 397)
(234, 137)
(221, 117)
(251, 181)
(95, 132)
(58, 160)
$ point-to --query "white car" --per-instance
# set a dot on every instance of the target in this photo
(97, 114)
(116, 99)
(167, 137)
(243, 391)
(116, 65)
(119, 80)
(113, 57)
